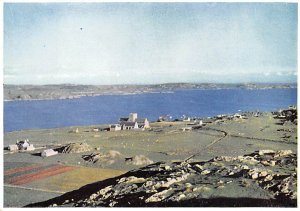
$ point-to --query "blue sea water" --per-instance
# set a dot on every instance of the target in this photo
(20, 115)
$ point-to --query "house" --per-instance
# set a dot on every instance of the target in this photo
(186, 119)
(165, 118)
(143, 123)
(129, 125)
(115, 127)
(23, 144)
(133, 122)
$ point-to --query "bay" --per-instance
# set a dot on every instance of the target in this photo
(106, 109)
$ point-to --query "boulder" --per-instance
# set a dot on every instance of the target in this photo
(138, 160)
(76, 148)
(268, 178)
(113, 154)
(254, 176)
(106, 159)
(159, 196)
(263, 174)
(282, 153)
(265, 151)
(205, 172)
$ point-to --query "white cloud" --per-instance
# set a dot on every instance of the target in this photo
(134, 44)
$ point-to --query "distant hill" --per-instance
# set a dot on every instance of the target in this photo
(69, 91)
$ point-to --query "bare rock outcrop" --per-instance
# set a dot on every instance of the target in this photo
(75, 148)
(222, 181)
(107, 158)
(138, 160)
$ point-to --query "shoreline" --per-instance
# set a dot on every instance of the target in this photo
(96, 95)
(27, 95)
(206, 118)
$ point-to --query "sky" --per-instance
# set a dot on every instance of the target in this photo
(149, 43)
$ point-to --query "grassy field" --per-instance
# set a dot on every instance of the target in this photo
(165, 141)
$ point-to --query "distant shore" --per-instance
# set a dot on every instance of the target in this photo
(71, 91)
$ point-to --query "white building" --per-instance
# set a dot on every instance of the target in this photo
(133, 122)
(132, 117)
(143, 123)
(201, 122)
(129, 125)
(49, 152)
(115, 127)
(186, 119)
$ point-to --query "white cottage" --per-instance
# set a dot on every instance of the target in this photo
(129, 125)
(143, 123)
(115, 127)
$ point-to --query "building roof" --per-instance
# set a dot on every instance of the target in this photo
(115, 125)
(128, 124)
(124, 119)
(141, 120)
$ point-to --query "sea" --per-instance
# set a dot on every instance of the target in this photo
(107, 109)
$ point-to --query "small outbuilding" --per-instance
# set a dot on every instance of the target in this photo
(48, 153)
(186, 119)
(115, 127)
(165, 118)
(22, 145)
(13, 147)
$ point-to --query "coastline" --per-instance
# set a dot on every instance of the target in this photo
(27, 92)
(206, 118)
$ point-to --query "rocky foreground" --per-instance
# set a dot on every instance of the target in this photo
(264, 178)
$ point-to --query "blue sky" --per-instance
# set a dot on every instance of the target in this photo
(146, 43)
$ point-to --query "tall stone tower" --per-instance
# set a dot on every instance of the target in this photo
(132, 117)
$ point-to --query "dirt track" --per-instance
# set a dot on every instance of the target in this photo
(209, 145)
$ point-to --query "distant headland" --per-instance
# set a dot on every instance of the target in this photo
(70, 91)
